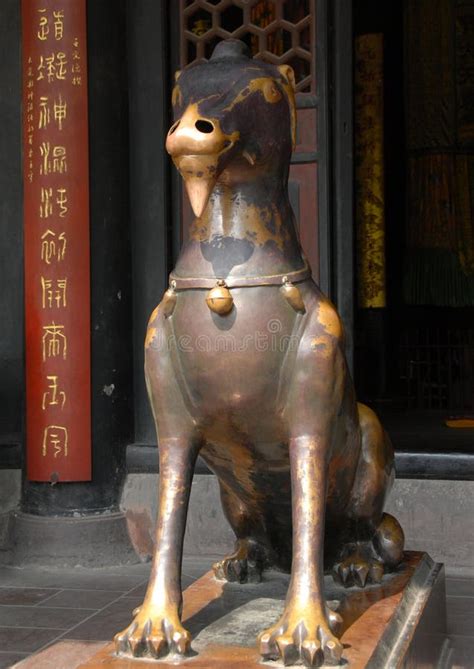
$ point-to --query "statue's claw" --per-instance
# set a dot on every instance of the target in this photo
(243, 565)
(358, 570)
(153, 635)
(302, 637)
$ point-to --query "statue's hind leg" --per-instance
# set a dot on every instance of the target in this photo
(247, 561)
(373, 541)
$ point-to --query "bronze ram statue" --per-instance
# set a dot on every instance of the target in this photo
(245, 366)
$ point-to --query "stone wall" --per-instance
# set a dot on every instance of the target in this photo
(437, 516)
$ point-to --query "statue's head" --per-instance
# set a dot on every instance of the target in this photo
(234, 118)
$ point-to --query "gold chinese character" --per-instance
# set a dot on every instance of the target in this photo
(46, 206)
(59, 159)
(50, 250)
(60, 110)
(58, 164)
(61, 199)
(58, 24)
(77, 81)
(54, 341)
(43, 31)
(55, 437)
(44, 115)
(61, 66)
(45, 167)
(54, 66)
(54, 296)
(40, 69)
(53, 397)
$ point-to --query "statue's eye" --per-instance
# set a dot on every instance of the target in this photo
(271, 92)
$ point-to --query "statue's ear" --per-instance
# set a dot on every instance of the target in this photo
(176, 97)
(289, 84)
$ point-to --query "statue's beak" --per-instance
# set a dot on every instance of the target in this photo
(200, 176)
(199, 190)
(196, 145)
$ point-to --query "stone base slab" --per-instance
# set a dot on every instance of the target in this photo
(400, 623)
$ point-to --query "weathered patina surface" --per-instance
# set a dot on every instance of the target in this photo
(245, 366)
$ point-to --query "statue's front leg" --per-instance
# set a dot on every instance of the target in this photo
(157, 627)
(304, 630)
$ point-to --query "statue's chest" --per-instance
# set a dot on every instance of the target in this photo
(234, 360)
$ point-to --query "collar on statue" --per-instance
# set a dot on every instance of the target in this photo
(185, 283)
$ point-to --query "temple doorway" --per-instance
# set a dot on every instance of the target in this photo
(414, 200)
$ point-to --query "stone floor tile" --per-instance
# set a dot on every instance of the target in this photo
(463, 652)
(7, 660)
(140, 590)
(82, 599)
(49, 618)
(117, 578)
(460, 612)
(25, 596)
(26, 639)
(106, 623)
(61, 655)
(196, 567)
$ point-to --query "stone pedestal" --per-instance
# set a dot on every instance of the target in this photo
(400, 623)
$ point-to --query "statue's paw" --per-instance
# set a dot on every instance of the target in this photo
(303, 638)
(388, 541)
(243, 565)
(237, 571)
(358, 570)
(152, 634)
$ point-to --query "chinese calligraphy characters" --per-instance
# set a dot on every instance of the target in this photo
(56, 234)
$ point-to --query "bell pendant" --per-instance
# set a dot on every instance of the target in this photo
(219, 299)
(169, 300)
(292, 295)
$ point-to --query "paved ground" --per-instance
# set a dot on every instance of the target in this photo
(43, 607)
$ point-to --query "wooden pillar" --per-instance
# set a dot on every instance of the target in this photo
(56, 241)
(94, 355)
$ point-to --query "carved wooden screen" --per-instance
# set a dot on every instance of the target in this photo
(280, 32)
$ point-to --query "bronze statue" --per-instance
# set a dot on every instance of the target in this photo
(245, 366)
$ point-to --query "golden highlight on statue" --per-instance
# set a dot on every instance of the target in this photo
(303, 468)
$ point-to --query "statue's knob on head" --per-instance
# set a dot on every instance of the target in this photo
(230, 48)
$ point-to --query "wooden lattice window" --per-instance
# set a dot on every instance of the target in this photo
(278, 31)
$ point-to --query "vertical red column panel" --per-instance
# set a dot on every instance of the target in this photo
(56, 234)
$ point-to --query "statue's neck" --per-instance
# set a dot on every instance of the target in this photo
(247, 229)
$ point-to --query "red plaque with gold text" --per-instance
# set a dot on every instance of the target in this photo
(56, 234)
